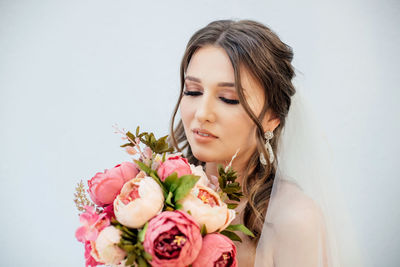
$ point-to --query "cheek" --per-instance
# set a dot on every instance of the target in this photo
(186, 111)
(244, 128)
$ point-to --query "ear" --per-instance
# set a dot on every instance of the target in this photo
(270, 121)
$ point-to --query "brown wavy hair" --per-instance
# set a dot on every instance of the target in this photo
(254, 46)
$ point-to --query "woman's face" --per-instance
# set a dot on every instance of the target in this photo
(215, 123)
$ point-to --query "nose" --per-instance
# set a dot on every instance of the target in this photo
(205, 111)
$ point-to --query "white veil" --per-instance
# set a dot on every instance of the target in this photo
(306, 224)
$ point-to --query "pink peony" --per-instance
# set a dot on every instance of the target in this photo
(217, 250)
(174, 164)
(109, 211)
(104, 187)
(173, 239)
(89, 260)
(92, 224)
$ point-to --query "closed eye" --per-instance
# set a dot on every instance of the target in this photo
(226, 100)
(230, 101)
(192, 93)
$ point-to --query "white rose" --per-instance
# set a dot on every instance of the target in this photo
(140, 200)
(105, 249)
(207, 208)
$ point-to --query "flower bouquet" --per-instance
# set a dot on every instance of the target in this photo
(158, 210)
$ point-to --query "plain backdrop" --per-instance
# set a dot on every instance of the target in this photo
(69, 70)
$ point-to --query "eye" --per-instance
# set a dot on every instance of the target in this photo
(230, 101)
(192, 93)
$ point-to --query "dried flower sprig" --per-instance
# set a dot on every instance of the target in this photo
(230, 163)
(133, 145)
(228, 185)
(80, 198)
(158, 146)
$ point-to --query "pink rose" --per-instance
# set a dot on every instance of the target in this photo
(173, 239)
(217, 250)
(92, 224)
(104, 187)
(174, 164)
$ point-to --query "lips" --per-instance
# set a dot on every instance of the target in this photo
(203, 132)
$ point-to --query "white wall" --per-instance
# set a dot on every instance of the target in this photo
(71, 69)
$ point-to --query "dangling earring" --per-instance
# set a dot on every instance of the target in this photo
(268, 136)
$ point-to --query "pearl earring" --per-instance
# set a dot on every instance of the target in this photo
(268, 136)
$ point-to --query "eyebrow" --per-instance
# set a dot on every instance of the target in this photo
(221, 84)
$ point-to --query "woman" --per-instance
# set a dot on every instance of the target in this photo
(236, 93)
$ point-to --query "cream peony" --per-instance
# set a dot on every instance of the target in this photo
(207, 208)
(105, 249)
(140, 200)
(198, 170)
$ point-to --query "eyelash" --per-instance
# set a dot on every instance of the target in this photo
(226, 100)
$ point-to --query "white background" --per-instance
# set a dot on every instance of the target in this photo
(71, 69)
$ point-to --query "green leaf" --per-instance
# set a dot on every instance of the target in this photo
(231, 235)
(171, 182)
(234, 185)
(142, 262)
(203, 230)
(144, 167)
(147, 256)
(127, 144)
(221, 182)
(127, 236)
(229, 190)
(125, 242)
(169, 199)
(131, 136)
(131, 259)
(142, 232)
(232, 206)
(128, 231)
(241, 228)
(158, 146)
(128, 248)
(186, 183)
(232, 197)
(178, 206)
(140, 247)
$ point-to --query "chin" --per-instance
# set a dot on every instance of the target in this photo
(204, 157)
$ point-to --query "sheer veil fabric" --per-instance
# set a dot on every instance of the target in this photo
(306, 224)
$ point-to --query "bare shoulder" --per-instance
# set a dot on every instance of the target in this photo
(296, 212)
(297, 227)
